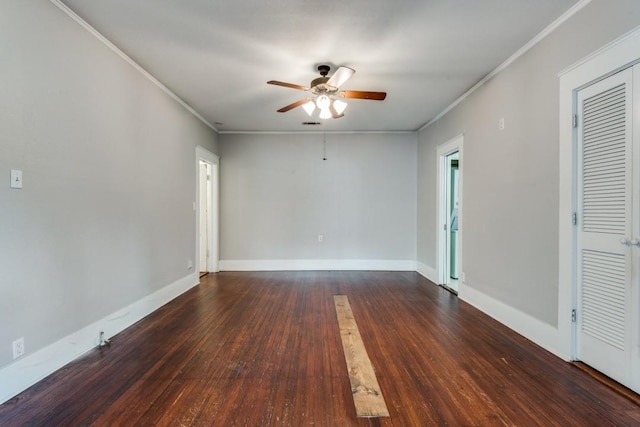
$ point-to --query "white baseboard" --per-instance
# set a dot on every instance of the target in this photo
(428, 272)
(543, 334)
(25, 372)
(316, 264)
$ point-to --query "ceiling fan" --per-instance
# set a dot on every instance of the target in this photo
(325, 93)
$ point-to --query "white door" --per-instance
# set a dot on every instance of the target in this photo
(607, 249)
(204, 216)
(207, 206)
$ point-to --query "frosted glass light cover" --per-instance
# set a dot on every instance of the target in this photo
(325, 113)
(309, 107)
(323, 102)
(340, 106)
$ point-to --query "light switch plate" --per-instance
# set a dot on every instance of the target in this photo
(16, 178)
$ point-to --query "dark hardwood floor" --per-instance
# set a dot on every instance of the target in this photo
(262, 349)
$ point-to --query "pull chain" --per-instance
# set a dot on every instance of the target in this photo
(324, 146)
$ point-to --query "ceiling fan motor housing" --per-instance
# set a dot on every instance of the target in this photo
(319, 84)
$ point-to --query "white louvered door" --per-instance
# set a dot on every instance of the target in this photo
(607, 249)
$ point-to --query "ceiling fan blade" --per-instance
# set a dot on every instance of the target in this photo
(294, 105)
(341, 75)
(290, 85)
(334, 113)
(359, 94)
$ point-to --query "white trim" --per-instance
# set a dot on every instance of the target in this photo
(214, 238)
(427, 272)
(443, 150)
(214, 234)
(594, 55)
(27, 371)
(613, 57)
(543, 334)
(301, 132)
(84, 24)
(317, 264)
(524, 49)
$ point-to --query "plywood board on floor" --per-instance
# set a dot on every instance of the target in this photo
(367, 396)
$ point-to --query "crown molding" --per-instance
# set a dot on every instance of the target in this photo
(84, 24)
(524, 49)
(300, 132)
(534, 41)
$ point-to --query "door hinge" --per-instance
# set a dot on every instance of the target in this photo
(574, 121)
(574, 218)
(574, 316)
(208, 177)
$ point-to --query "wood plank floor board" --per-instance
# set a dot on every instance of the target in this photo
(367, 395)
(264, 349)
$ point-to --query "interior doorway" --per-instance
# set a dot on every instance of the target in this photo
(203, 214)
(450, 208)
(207, 211)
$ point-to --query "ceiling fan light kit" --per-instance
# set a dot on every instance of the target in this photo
(325, 92)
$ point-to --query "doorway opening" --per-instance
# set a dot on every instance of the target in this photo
(203, 214)
(450, 208)
(207, 211)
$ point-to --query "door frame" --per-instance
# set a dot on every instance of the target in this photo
(203, 207)
(213, 237)
(612, 58)
(443, 151)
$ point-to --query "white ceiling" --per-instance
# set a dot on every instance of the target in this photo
(217, 55)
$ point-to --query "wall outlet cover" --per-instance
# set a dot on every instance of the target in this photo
(18, 348)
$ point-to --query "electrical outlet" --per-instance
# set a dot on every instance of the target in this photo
(320, 238)
(462, 277)
(501, 123)
(18, 348)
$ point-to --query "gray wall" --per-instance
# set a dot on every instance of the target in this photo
(510, 246)
(105, 217)
(278, 194)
